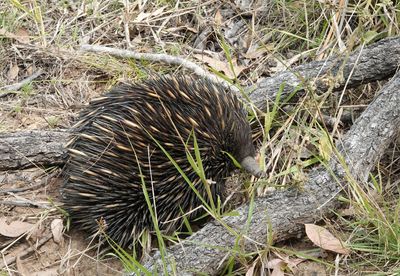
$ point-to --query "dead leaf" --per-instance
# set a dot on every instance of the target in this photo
(250, 271)
(37, 232)
(291, 262)
(146, 15)
(22, 36)
(5, 33)
(218, 18)
(221, 65)
(282, 65)
(15, 228)
(29, 70)
(12, 74)
(256, 53)
(186, 28)
(325, 147)
(276, 265)
(324, 239)
(349, 212)
(57, 230)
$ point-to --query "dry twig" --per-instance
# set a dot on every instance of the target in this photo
(159, 58)
(19, 85)
(9, 259)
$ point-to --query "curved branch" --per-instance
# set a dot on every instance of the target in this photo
(375, 62)
(168, 59)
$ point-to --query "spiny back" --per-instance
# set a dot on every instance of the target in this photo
(119, 135)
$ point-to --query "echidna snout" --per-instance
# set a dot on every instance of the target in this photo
(123, 136)
(249, 163)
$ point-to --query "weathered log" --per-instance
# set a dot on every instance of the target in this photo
(375, 62)
(284, 212)
(35, 148)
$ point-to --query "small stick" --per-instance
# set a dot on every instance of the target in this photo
(24, 203)
(19, 190)
(8, 260)
(19, 85)
(159, 58)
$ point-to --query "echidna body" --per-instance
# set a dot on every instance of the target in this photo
(120, 142)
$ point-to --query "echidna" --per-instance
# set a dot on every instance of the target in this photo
(123, 139)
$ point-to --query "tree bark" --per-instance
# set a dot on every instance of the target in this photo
(375, 62)
(35, 148)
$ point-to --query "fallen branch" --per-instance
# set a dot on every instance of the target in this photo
(375, 62)
(286, 211)
(25, 203)
(164, 58)
(20, 150)
(19, 85)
